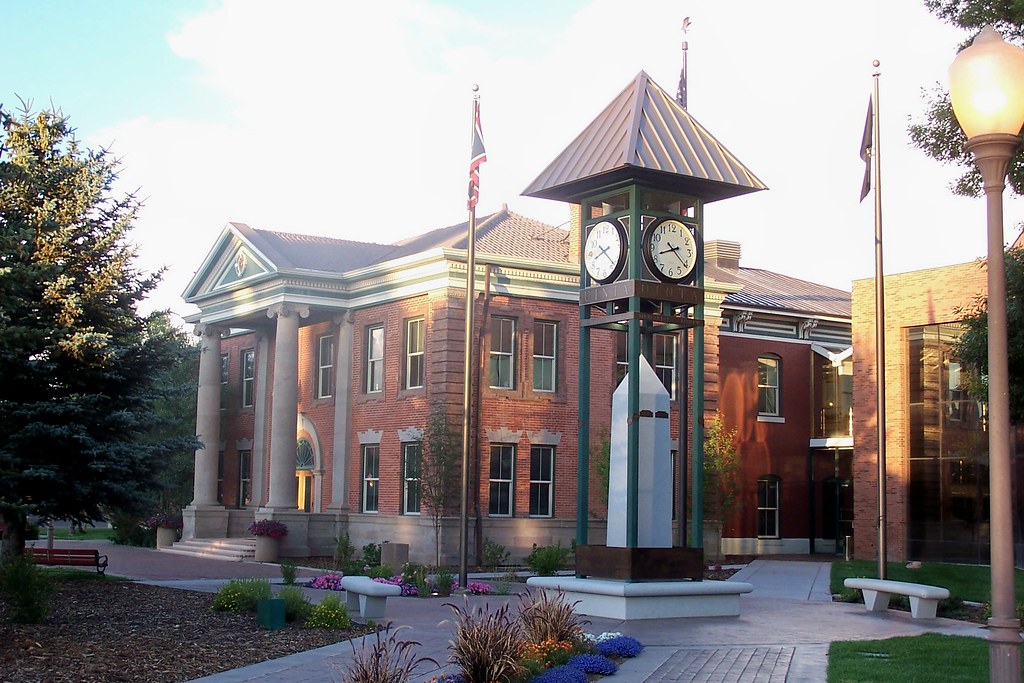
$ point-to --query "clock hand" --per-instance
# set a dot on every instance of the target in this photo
(674, 250)
(604, 252)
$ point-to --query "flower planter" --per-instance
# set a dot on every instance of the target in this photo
(267, 549)
(165, 537)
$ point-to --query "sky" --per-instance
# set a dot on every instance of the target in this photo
(353, 120)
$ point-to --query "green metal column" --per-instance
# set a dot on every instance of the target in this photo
(583, 433)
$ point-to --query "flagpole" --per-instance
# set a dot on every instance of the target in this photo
(476, 158)
(879, 329)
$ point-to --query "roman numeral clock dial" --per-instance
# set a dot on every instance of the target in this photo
(670, 250)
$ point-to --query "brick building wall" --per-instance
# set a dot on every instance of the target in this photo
(924, 297)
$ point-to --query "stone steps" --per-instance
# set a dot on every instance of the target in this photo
(228, 549)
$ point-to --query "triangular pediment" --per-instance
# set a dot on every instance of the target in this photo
(645, 135)
(234, 261)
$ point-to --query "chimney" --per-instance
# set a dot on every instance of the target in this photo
(575, 233)
(722, 253)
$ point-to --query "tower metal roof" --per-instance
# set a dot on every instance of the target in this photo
(645, 135)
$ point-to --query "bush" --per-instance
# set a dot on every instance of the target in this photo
(371, 554)
(131, 529)
(535, 658)
(330, 614)
(486, 644)
(296, 605)
(545, 560)
(344, 551)
(549, 617)
(26, 590)
(381, 571)
(269, 527)
(288, 571)
(241, 595)
(494, 554)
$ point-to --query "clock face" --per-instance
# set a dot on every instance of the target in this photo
(604, 251)
(670, 250)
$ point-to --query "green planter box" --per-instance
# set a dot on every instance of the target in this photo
(270, 613)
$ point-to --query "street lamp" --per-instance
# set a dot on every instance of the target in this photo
(986, 88)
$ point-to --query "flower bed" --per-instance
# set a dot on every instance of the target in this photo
(269, 527)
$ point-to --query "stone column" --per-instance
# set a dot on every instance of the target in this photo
(207, 417)
(285, 406)
(342, 415)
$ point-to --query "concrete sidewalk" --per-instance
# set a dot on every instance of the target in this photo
(781, 635)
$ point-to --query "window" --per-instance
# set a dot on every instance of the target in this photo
(503, 343)
(225, 368)
(621, 357)
(502, 461)
(371, 477)
(768, 372)
(768, 507)
(248, 377)
(545, 341)
(375, 359)
(244, 478)
(414, 356)
(665, 362)
(542, 476)
(411, 458)
(220, 477)
(325, 367)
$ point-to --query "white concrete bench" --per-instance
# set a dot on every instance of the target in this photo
(367, 596)
(924, 600)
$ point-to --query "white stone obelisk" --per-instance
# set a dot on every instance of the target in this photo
(654, 465)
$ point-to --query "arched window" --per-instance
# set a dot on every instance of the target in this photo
(304, 455)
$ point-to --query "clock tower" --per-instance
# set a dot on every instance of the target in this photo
(641, 173)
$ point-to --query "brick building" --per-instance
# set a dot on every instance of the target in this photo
(322, 357)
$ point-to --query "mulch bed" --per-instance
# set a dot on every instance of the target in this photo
(120, 631)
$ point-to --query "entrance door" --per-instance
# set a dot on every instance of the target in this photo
(837, 511)
(304, 459)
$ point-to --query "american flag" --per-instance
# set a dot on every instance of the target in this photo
(477, 157)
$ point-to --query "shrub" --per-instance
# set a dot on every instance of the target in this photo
(344, 551)
(593, 664)
(241, 595)
(381, 571)
(444, 582)
(549, 617)
(486, 645)
(494, 554)
(288, 571)
(545, 560)
(371, 554)
(130, 529)
(26, 590)
(390, 660)
(330, 614)
(296, 605)
(416, 575)
(620, 646)
(269, 527)
(328, 582)
(561, 674)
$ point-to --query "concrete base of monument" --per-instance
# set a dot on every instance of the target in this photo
(647, 600)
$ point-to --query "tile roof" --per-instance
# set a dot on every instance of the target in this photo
(644, 134)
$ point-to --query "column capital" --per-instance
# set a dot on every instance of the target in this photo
(284, 310)
(209, 330)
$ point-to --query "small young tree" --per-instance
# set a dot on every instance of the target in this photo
(440, 468)
(721, 470)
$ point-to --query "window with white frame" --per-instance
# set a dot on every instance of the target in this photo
(325, 366)
(415, 342)
(768, 507)
(371, 477)
(665, 361)
(769, 372)
(501, 481)
(375, 359)
(412, 454)
(503, 350)
(545, 344)
(248, 377)
(542, 479)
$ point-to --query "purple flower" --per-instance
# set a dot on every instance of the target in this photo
(561, 674)
(269, 527)
(330, 582)
(593, 664)
(477, 588)
(621, 646)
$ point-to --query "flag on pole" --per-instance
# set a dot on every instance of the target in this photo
(477, 157)
(866, 144)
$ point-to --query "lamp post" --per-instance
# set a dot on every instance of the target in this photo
(985, 88)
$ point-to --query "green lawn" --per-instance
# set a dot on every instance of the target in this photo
(964, 581)
(87, 534)
(930, 657)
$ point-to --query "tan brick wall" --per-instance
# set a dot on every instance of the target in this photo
(923, 297)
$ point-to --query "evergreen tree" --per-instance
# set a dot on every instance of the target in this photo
(81, 369)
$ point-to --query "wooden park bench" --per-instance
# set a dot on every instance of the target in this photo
(924, 599)
(367, 596)
(68, 557)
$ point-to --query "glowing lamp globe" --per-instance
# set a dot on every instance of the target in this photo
(986, 86)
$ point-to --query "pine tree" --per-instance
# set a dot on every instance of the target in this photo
(81, 369)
